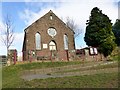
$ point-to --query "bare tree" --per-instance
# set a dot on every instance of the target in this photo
(71, 23)
(8, 32)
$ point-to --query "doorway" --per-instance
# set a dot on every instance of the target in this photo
(53, 49)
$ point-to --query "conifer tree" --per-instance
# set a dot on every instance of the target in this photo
(99, 32)
(116, 31)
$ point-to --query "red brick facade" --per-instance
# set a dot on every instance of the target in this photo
(41, 26)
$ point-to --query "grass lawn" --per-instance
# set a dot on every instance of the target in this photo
(11, 74)
(86, 81)
(11, 77)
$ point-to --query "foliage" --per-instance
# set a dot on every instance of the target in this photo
(116, 31)
(99, 32)
(115, 54)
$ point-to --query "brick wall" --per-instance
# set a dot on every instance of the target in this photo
(41, 26)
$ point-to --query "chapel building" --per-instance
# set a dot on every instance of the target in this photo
(48, 38)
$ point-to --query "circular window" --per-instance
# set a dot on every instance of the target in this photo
(52, 32)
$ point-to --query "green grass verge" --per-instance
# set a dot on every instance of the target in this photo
(39, 65)
(11, 74)
(11, 78)
(113, 65)
(103, 80)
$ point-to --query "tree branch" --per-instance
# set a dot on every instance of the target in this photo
(8, 35)
(71, 24)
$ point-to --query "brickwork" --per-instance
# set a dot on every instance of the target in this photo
(41, 26)
(84, 54)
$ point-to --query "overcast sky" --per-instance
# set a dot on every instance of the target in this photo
(23, 13)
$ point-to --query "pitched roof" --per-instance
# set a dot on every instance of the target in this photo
(55, 15)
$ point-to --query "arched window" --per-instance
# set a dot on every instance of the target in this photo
(65, 42)
(38, 41)
(52, 45)
(51, 17)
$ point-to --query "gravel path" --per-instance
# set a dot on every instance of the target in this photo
(56, 71)
(88, 72)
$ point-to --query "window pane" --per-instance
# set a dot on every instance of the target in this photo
(51, 17)
(52, 45)
(65, 42)
(38, 41)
